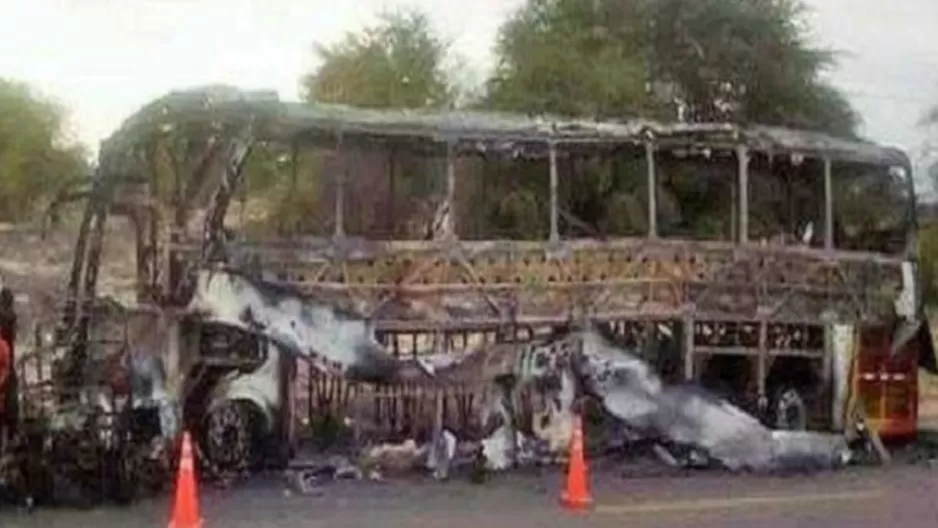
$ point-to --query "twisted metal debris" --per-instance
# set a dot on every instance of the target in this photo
(628, 388)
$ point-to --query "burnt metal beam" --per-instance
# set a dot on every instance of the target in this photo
(828, 205)
(554, 184)
(77, 319)
(688, 348)
(291, 197)
(152, 269)
(314, 249)
(652, 190)
(341, 177)
(214, 237)
(763, 359)
(392, 191)
(449, 220)
(742, 156)
(196, 179)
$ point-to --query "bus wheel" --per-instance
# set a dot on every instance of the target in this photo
(229, 436)
(789, 410)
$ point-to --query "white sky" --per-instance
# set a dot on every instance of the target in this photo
(104, 59)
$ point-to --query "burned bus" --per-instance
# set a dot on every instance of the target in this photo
(757, 261)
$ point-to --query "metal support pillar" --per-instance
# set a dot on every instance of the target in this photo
(840, 343)
(763, 359)
(689, 358)
(554, 183)
(828, 206)
(341, 176)
(833, 361)
(449, 221)
(742, 156)
(176, 367)
(294, 182)
(392, 190)
(827, 367)
(652, 182)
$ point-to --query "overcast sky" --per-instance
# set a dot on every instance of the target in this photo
(105, 58)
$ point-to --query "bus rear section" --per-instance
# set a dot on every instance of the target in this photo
(886, 383)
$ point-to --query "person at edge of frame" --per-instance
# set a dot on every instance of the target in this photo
(8, 380)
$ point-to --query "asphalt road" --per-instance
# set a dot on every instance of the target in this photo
(904, 496)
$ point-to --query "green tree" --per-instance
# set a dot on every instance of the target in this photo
(36, 160)
(744, 61)
(556, 56)
(399, 63)
(928, 255)
(928, 232)
(715, 60)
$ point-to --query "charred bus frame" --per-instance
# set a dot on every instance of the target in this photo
(780, 308)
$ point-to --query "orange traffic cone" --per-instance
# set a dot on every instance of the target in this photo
(577, 496)
(186, 508)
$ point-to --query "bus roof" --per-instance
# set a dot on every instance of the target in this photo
(273, 119)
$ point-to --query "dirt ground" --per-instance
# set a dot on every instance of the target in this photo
(35, 265)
